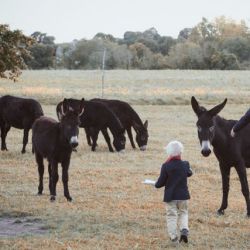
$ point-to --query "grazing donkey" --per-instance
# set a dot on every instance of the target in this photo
(129, 118)
(214, 130)
(55, 141)
(19, 113)
(96, 117)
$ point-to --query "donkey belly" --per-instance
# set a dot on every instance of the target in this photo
(14, 121)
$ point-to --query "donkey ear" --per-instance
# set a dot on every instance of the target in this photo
(145, 124)
(82, 105)
(215, 110)
(65, 106)
(198, 110)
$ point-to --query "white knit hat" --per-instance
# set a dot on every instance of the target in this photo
(174, 148)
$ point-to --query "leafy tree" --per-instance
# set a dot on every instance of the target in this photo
(13, 48)
(184, 34)
(122, 56)
(204, 31)
(165, 43)
(142, 56)
(186, 55)
(42, 56)
(43, 38)
(240, 46)
(228, 28)
(43, 52)
(224, 61)
(131, 37)
(105, 37)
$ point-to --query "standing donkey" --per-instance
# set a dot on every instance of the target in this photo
(230, 152)
(55, 141)
(19, 113)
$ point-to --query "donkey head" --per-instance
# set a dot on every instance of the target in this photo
(120, 141)
(70, 122)
(142, 135)
(72, 105)
(205, 124)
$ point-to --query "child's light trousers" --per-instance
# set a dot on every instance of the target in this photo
(176, 209)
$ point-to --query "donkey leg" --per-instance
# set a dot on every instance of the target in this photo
(25, 139)
(94, 136)
(87, 132)
(4, 131)
(107, 139)
(50, 178)
(241, 171)
(54, 179)
(39, 160)
(65, 179)
(225, 174)
(130, 136)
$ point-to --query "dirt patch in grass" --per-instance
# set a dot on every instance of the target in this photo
(21, 226)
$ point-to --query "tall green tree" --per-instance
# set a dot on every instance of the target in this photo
(42, 52)
(13, 49)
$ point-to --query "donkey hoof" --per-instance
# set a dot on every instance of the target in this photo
(23, 151)
(52, 198)
(69, 199)
(220, 212)
(39, 193)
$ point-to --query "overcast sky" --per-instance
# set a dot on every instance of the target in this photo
(76, 19)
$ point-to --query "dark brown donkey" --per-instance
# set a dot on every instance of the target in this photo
(19, 113)
(230, 152)
(55, 141)
(129, 119)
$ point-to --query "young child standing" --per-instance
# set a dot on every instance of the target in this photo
(173, 176)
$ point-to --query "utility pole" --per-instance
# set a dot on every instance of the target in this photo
(103, 69)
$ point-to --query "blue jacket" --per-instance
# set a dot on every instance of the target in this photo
(174, 177)
(244, 120)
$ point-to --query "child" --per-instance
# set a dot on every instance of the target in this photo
(173, 176)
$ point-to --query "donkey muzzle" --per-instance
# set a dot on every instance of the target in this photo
(74, 141)
(205, 148)
(143, 148)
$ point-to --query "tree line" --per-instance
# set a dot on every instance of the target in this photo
(222, 44)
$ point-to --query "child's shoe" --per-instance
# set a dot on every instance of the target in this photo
(174, 241)
(184, 235)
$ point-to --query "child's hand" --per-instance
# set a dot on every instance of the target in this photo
(149, 182)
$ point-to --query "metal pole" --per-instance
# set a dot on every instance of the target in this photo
(103, 70)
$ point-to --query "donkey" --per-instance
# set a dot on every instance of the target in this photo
(19, 113)
(230, 152)
(55, 141)
(129, 118)
(96, 117)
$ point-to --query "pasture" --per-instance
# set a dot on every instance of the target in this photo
(111, 208)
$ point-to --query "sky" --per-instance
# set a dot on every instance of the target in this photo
(67, 20)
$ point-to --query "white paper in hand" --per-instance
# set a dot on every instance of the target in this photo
(149, 182)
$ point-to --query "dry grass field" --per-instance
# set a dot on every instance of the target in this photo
(112, 209)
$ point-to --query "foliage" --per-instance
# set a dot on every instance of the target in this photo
(187, 55)
(220, 44)
(42, 52)
(13, 49)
